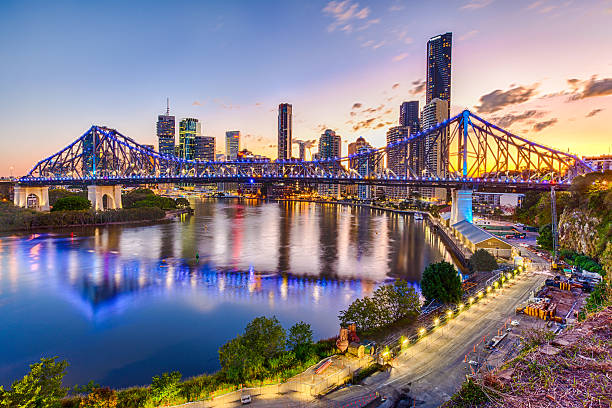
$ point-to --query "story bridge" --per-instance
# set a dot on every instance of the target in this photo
(464, 153)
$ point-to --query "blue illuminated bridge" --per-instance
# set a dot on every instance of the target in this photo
(470, 153)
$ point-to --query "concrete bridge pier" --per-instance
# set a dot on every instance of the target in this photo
(462, 206)
(34, 197)
(104, 197)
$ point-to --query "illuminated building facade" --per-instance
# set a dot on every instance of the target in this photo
(189, 128)
(205, 148)
(329, 147)
(232, 144)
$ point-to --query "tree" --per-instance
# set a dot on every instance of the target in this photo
(245, 357)
(388, 304)
(545, 239)
(441, 282)
(482, 261)
(100, 398)
(71, 203)
(165, 388)
(300, 334)
(41, 387)
(265, 336)
(182, 202)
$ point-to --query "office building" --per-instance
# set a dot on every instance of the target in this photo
(329, 147)
(434, 154)
(302, 151)
(409, 116)
(353, 148)
(189, 128)
(205, 148)
(397, 159)
(439, 68)
(166, 133)
(232, 144)
(284, 131)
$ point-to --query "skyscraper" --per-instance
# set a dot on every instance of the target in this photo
(354, 148)
(439, 68)
(189, 128)
(397, 158)
(166, 132)
(232, 144)
(434, 160)
(205, 148)
(329, 147)
(409, 116)
(284, 131)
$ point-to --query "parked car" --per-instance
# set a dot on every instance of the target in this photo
(245, 399)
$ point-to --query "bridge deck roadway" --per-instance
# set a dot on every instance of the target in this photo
(433, 369)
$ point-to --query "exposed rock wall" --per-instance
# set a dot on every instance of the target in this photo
(578, 231)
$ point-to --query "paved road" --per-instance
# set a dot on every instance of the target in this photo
(433, 369)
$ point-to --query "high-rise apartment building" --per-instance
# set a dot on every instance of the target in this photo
(353, 148)
(205, 148)
(397, 159)
(189, 128)
(284, 131)
(232, 144)
(329, 147)
(409, 116)
(166, 133)
(439, 68)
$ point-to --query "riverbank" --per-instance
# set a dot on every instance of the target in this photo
(16, 219)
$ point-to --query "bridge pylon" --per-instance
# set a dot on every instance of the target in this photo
(104, 197)
(462, 206)
(35, 197)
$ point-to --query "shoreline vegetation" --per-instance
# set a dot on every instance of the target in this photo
(72, 210)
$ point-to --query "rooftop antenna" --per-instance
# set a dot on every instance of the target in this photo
(167, 106)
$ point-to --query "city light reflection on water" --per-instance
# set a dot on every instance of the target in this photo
(122, 304)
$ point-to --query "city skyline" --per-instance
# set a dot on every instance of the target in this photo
(537, 90)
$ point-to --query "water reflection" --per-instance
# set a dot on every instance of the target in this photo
(123, 303)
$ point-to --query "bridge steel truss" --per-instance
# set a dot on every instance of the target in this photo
(468, 151)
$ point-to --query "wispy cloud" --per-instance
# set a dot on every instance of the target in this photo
(509, 119)
(476, 4)
(468, 35)
(543, 125)
(593, 112)
(418, 87)
(373, 44)
(198, 103)
(498, 99)
(368, 23)
(590, 88)
(400, 57)
(395, 85)
(344, 13)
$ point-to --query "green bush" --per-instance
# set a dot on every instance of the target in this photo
(165, 388)
(482, 261)
(441, 282)
(72, 203)
(41, 387)
(132, 397)
(545, 239)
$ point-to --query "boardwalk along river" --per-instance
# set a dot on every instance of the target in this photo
(124, 303)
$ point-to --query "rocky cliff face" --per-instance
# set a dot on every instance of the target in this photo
(578, 232)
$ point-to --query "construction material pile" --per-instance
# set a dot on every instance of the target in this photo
(572, 370)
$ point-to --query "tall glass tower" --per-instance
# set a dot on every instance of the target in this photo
(284, 131)
(439, 68)
(409, 116)
(166, 132)
(189, 128)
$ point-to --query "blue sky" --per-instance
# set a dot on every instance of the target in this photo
(67, 65)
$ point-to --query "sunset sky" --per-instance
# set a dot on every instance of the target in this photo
(540, 68)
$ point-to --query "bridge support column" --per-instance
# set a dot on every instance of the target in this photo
(462, 206)
(33, 197)
(104, 197)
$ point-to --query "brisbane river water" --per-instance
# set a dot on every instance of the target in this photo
(124, 303)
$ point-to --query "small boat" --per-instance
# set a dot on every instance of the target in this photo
(418, 216)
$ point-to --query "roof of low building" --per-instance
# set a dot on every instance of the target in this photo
(473, 233)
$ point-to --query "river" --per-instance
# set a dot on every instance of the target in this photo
(124, 303)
